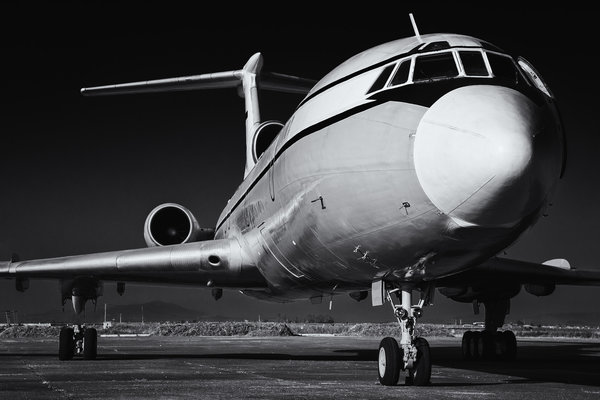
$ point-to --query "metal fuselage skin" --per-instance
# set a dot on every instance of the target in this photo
(407, 182)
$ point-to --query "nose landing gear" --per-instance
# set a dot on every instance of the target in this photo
(412, 354)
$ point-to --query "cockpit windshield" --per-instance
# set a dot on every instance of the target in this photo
(473, 63)
(435, 66)
(503, 67)
(445, 64)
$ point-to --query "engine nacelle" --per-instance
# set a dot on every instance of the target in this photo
(172, 223)
(481, 292)
(537, 289)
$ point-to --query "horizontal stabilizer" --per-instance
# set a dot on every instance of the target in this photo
(217, 80)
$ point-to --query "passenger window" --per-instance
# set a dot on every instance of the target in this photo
(401, 75)
(382, 79)
(473, 63)
(503, 67)
(435, 66)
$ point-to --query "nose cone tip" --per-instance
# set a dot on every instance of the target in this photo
(473, 150)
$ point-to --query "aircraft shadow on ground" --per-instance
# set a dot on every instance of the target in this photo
(576, 363)
(572, 363)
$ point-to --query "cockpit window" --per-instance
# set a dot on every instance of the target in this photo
(534, 76)
(382, 79)
(435, 66)
(473, 63)
(503, 67)
(401, 75)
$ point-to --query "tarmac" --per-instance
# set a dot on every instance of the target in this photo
(315, 367)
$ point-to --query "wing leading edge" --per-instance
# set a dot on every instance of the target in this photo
(557, 272)
(220, 261)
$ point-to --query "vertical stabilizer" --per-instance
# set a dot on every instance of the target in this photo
(250, 72)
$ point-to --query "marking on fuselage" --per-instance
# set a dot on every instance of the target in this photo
(364, 256)
(320, 198)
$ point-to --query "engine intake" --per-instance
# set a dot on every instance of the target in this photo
(264, 136)
(170, 224)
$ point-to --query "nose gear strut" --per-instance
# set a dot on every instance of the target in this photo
(412, 353)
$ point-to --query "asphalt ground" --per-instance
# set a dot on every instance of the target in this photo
(287, 368)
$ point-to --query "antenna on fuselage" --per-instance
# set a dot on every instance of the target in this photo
(415, 28)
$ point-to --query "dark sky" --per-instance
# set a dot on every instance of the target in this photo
(79, 175)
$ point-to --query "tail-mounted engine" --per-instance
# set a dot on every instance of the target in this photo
(172, 223)
(264, 136)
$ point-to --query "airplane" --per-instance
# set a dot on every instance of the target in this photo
(406, 169)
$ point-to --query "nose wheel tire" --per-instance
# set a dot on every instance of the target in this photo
(389, 362)
(421, 372)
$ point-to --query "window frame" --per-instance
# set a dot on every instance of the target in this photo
(395, 71)
(515, 65)
(455, 51)
(387, 81)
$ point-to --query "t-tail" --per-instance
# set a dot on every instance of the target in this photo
(247, 80)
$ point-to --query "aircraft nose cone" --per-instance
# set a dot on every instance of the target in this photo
(486, 155)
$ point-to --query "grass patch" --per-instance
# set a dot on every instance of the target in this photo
(234, 328)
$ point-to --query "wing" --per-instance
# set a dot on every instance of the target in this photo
(557, 271)
(503, 278)
(218, 261)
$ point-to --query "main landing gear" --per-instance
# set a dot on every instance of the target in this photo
(488, 345)
(491, 344)
(412, 353)
(77, 341)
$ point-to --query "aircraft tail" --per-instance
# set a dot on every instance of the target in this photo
(248, 80)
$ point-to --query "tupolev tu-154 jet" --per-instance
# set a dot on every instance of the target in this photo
(406, 169)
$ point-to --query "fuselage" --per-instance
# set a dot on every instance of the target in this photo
(411, 161)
